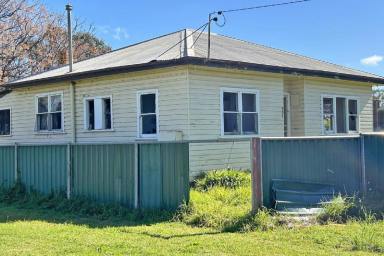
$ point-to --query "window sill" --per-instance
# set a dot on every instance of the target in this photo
(153, 138)
(6, 135)
(101, 130)
(50, 133)
(239, 136)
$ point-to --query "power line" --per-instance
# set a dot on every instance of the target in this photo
(201, 32)
(261, 6)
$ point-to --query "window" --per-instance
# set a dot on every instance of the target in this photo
(98, 113)
(239, 112)
(339, 114)
(148, 113)
(49, 115)
(5, 122)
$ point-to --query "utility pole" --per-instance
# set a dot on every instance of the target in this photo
(210, 19)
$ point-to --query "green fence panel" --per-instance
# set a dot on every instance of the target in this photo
(374, 162)
(43, 168)
(334, 161)
(104, 173)
(7, 166)
(163, 175)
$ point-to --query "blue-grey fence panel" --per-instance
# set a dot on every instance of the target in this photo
(334, 161)
(374, 162)
(7, 166)
(163, 175)
(104, 173)
(43, 168)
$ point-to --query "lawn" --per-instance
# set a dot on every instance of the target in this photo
(29, 230)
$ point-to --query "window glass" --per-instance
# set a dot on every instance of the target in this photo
(43, 104)
(352, 123)
(249, 123)
(49, 113)
(249, 102)
(239, 117)
(55, 103)
(149, 124)
(107, 113)
(148, 116)
(148, 103)
(5, 122)
(230, 102)
(352, 107)
(91, 114)
(231, 123)
(328, 114)
(341, 115)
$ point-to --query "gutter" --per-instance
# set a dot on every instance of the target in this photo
(199, 62)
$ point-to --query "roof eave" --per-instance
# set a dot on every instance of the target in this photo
(195, 61)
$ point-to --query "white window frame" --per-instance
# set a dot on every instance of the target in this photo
(239, 91)
(85, 101)
(10, 122)
(347, 98)
(49, 95)
(138, 112)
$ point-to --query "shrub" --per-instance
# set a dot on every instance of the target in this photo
(222, 178)
(336, 210)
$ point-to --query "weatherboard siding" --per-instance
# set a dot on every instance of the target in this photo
(205, 119)
(314, 89)
(23, 110)
(172, 96)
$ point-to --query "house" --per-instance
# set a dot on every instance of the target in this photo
(153, 91)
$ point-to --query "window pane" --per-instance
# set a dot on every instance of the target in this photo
(55, 103)
(341, 115)
(352, 107)
(56, 121)
(5, 122)
(91, 114)
(352, 123)
(230, 101)
(42, 104)
(107, 114)
(231, 123)
(327, 105)
(328, 123)
(148, 103)
(249, 123)
(149, 124)
(249, 102)
(42, 122)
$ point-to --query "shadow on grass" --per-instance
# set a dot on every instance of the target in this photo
(17, 212)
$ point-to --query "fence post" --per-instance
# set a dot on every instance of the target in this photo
(136, 175)
(363, 170)
(16, 163)
(257, 184)
(69, 172)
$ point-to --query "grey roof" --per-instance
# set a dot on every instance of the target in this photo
(223, 49)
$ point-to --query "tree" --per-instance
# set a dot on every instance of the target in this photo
(34, 40)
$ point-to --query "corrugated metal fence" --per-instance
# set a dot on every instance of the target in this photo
(135, 175)
(350, 163)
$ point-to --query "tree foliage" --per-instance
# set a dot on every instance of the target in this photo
(32, 39)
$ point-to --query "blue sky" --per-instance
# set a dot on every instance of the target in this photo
(345, 32)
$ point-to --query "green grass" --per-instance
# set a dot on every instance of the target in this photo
(217, 222)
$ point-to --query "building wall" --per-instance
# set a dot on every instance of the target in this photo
(189, 109)
(205, 119)
(315, 88)
(23, 110)
(295, 88)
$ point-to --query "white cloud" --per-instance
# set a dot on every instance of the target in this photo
(120, 33)
(373, 60)
(117, 33)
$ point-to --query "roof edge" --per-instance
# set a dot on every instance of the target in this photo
(195, 61)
